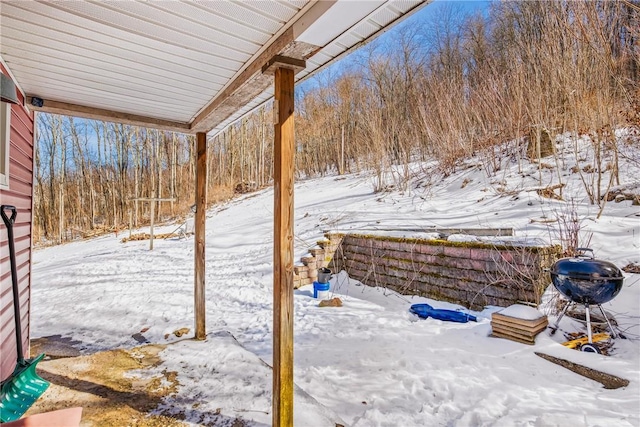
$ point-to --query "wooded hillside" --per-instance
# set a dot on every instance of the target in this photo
(450, 87)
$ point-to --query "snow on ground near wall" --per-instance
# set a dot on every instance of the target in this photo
(237, 383)
(370, 362)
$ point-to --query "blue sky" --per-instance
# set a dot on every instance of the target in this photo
(428, 14)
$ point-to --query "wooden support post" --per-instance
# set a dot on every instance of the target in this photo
(283, 249)
(200, 217)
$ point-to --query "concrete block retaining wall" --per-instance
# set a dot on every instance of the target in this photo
(467, 273)
(306, 272)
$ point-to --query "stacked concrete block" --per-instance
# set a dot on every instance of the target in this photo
(306, 272)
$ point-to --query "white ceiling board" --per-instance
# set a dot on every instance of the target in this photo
(328, 52)
(173, 60)
(238, 13)
(276, 10)
(384, 16)
(151, 26)
(341, 15)
(205, 19)
(136, 94)
(108, 49)
(167, 107)
(58, 62)
(154, 51)
(187, 26)
(52, 21)
(191, 79)
(366, 27)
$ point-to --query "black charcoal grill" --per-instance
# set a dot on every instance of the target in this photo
(582, 279)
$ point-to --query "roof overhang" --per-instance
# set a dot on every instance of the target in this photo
(192, 66)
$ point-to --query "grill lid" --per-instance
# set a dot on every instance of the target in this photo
(583, 267)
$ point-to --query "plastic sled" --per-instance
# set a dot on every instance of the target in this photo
(425, 310)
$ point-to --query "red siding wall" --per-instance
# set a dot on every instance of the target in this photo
(19, 194)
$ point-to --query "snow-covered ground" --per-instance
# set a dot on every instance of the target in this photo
(370, 362)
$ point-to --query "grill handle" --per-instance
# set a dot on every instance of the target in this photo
(581, 252)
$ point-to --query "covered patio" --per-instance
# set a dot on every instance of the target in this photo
(192, 67)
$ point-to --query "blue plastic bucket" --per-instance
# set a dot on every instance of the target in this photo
(322, 288)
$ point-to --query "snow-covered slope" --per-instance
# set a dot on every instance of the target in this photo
(370, 361)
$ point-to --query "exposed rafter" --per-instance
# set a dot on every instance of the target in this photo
(250, 83)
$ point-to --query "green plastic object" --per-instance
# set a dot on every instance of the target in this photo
(21, 390)
(24, 386)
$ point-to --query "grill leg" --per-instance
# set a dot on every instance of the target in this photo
(554, 328)
(586, 312)
(613, 332)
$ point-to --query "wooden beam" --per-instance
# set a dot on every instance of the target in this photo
(157, 199)
(283, 250)
(280, 61)
(250, 82)
(200, 218)
(67, 109)
(607, 380)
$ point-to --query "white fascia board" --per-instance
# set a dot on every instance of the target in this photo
(335, 18)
